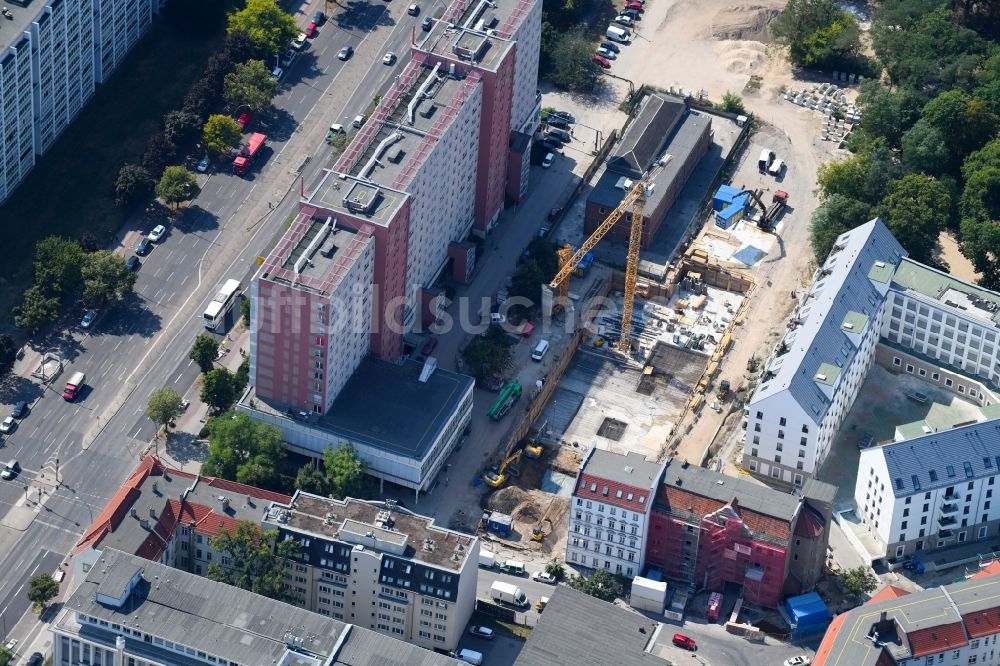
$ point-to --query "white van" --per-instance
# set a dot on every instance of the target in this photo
(540, 349)
(470, 656)
(620, 35)
(776, 167)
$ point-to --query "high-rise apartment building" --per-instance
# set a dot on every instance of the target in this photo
(52, 57)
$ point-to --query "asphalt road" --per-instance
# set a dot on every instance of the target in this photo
(143, 344)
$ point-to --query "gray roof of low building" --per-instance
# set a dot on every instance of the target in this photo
(841, 285)
(942, 459)
(577, 629)
(714, 485)
(225, 621)
(632, 468)
(643, 139)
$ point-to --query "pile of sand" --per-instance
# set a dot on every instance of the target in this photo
(741, 57)
(742, 22)
(506, 500)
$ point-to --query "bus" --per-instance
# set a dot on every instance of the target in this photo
(223, 302)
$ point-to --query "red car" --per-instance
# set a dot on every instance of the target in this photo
(429, 346)
(632, 4)
(680, 640)
(243, 120)
(311, 30)
(602, 61)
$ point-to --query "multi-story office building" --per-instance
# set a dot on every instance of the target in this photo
(934, 490)
(129, 611)
(711, 530)
(813, 376)
(379, 567)
(609, 511)
(52, 57)
(168, 516)
(500, 41)
(867, 303)
(950, 624)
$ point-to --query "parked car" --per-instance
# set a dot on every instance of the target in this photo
(88, 318)
(413, 9)
(346, 53)
(603, 62)
(686, 642)
(606, 54)
(389, 58)
(429, 346)
(143, 247)
(9, 472)
(632, 4)
(300, 41)
(311, 30)
(133, 263)
(36, 659)
(427, 23)
(801, 660)
(557, 121)
(547, 162)
(277, 73)
(20, 409)
(319, 18)
(624, 20)
(611, 46)
(560, 134)
(157, 234)
(632, 14)
(553, 144)
(203, 164)
(288, 58)
(481, 631)
(543, 577)
(8, 424)
(565, 115)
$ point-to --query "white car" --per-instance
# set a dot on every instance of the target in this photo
(547, 162)
(88, 318)
(8, 424)
(389, 58)
(277, 73)
(543, 577)
(481, 631)
(624, 20)
(157, 234)
(300, 41)
(607, 54)
(801, 660)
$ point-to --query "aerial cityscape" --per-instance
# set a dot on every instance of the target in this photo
(500, 332)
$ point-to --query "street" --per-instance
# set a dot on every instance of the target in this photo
(143, 343)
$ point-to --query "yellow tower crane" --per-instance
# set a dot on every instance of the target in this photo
(633, 202)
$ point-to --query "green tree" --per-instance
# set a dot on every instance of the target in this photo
(8, 353)
(256, 560)
(488, 354)
(249, 84)
(6, 656)
(732, 103)
(544, 254)
(859, 580)
(106, 278)
(600, 584)
(837, 214)
(180, 126)
(269, 28)
(917, 210)
(42, 589)
(346, 474)
(865, 176)
(888, 114)
(965, 122)
(133, 183)
(241, 450)
(165, 404)
(58, 262)
(203, 352)
(556, 569)
(311, 480)
(221, 133)
(338, 145)
(527, 282)
(176, 185)
(925, 150)
(818, 33)
(36, 309)
(218, 390)
(573, 66)
(245, 311)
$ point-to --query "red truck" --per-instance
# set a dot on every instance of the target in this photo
(714, 606)
(251, 149)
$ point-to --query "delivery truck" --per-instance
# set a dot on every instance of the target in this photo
(487, 560)
(508, 593)
(73, 386)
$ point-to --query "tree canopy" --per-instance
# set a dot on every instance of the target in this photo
(164, 405)
(819, 34)
(249, 84)
(859, 580)
(106, 278)
(133, 183)
(221, 133)
(916, 211)
(176, 185)
(254, 560)
(600, 584)
(572, 58)
(240, 449)
(42, 589)
(203, 352)
(218, 389)
(487, 355)
(269, 28)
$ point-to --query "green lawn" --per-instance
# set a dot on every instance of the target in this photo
(71, 188)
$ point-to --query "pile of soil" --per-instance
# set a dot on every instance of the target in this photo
(528, 512)
(506, 499)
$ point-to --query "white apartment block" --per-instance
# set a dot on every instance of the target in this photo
(609, 512)
(379, 567)
(52, 56)
(811, 379)
(934, 490)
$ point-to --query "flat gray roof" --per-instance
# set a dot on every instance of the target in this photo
(386, 406)
(310, 514)
(632, 469)
(314, 253)
(335, 191)
(578, 629)
(964, 297)
(14, 29)
(451, 40)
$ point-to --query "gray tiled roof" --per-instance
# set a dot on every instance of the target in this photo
(942, 459)
(579, 630)
(645, 136)
(751, 496)
(842, 285)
